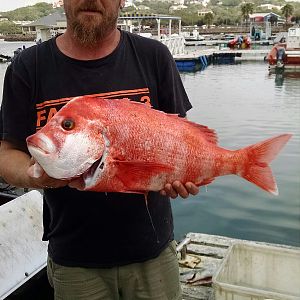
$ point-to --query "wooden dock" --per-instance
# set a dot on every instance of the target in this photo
(200, 257)
(241, 55)
(225, 42)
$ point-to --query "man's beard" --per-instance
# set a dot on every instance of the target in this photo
(89, 30)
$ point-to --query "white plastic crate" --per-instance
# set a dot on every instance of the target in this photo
(256, 272)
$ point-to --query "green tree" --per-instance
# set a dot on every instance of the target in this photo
(296, 16)
(287, 11)
(208, 19)
(7, 27)
(246, 9)
(29, 13)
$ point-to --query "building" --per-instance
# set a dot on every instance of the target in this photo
(3, 19)
(142, 7)
(265, 17)
(58, 3)
(48, 26)
(204, 12)
(177, 7)
(261, 23)
(179, 2)
(129, 3)
(270, 6)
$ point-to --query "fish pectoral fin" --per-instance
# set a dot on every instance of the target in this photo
(205, 181)
(136, 171)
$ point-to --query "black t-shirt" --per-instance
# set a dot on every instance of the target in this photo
(91, 229)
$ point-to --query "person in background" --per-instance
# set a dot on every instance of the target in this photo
(101, 245)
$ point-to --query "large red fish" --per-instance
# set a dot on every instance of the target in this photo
(124, 146)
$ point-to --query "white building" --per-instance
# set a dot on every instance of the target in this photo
(270, 6)
(177, 7)
(58, 3)
(180, 2)
(129, 3)
(205, 12)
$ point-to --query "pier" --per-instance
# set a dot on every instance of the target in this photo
(272, 272)
(201, 58)
(217, 267)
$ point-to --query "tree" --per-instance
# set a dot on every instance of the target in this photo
(246, 9)
(287, 11)
(208, 18)
(29, 13)
(7, 27)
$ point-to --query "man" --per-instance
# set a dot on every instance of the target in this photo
(101, 246)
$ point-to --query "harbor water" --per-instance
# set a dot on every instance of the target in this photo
(244, 104)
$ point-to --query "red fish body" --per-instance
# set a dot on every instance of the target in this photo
(123, 146)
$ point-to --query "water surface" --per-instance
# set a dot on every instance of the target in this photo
(244, 104)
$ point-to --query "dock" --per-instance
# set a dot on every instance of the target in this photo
(201, 256)
(247, 54)
(197, 59)
(224, 42)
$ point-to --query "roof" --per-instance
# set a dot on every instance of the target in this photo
(50, 20)
(145, 17)
(255, 15)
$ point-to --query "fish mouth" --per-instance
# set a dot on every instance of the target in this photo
(41, 144)
(36, 148)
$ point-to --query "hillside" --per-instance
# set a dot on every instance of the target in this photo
(227, 12)
(28, 13)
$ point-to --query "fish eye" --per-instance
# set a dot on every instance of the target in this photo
(68, 124)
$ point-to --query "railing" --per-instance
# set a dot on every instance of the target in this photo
(174, 43)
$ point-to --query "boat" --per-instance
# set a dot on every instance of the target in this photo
(240, 42)
(193, 36)
(285, 55)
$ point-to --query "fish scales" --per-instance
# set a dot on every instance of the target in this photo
(124, 146)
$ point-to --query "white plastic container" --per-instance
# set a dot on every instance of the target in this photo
(256, 272)
(22, 252)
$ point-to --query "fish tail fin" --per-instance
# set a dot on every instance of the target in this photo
(257, 169)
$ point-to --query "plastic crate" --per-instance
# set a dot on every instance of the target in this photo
(252, 271)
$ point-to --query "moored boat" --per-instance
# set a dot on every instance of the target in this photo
(285, 55)
(240, 42)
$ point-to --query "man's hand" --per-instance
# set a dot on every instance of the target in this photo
(41, 180)
(178, 189)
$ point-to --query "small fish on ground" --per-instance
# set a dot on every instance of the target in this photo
(125, 146)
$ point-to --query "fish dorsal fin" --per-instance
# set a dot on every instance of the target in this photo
(209, 134)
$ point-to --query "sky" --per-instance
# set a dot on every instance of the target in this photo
(6, 5)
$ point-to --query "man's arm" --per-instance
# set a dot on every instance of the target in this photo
(14, 165)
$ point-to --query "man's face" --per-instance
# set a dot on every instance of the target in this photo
(91, 20)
